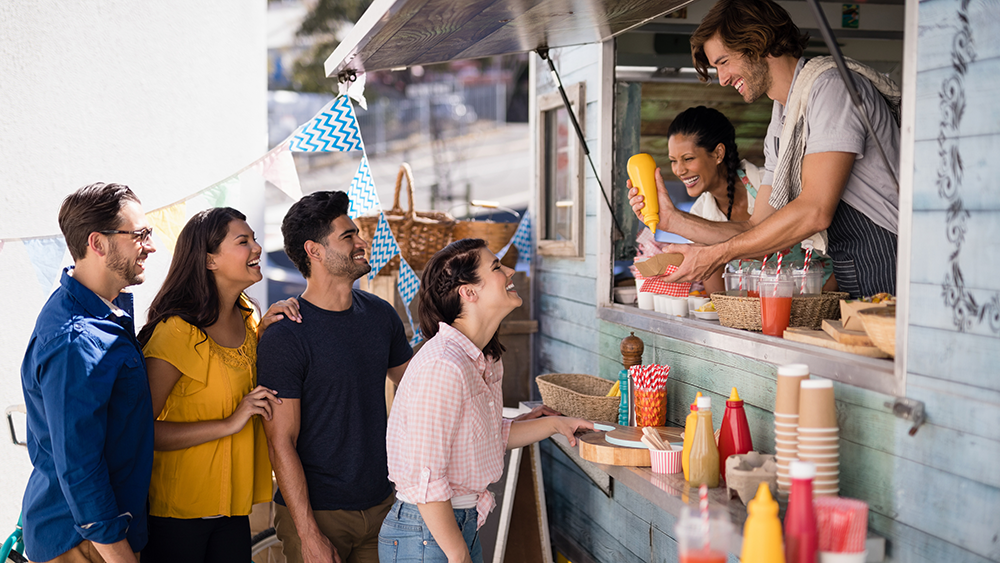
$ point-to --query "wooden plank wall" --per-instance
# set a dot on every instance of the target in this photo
(934, 495)
(567, 337)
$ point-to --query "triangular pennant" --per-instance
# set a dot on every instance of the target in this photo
(409, 283)
(384, 246)
(362, 193)
(168, 222)
(417, 338)
(224, 194)
(278, 167)
(333, 129)
(522, 238)
(46, 256)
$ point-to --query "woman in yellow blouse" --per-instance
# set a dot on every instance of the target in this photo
(210, 464)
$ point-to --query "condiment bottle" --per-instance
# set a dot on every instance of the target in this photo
(735, 432)
(703, 465)
(689, 425)
(640, 170)
(762, 531)
(801, 531)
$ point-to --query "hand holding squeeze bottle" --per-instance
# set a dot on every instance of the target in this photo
(641, 169)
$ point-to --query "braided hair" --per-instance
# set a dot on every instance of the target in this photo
(709, 128)
(450, 268)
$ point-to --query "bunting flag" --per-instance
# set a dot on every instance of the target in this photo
(333, 129)
(384, 246)
(409, 284)
(278, 167)
(355, 89)
(224, 194)
(46, 256)
(362, 193)
(522, 238)
(167, 223)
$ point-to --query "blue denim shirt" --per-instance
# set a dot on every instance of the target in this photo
(90, 425)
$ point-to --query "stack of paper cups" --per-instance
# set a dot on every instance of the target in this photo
(786, 420)
(819, 440)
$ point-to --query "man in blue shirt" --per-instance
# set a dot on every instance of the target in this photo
(90, 420)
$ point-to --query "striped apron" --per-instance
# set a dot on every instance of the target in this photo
(863, 253)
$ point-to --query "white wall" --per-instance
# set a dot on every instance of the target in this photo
(167, 97)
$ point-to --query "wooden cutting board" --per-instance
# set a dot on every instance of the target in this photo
(595, 447)
(845, 336)
(631, 436)
(820, 338)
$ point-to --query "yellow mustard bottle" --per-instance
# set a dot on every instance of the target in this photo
(762, 542)
(689, 424)
(641, 168)
(703, 465)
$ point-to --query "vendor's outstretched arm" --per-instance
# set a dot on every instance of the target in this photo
(824, 176)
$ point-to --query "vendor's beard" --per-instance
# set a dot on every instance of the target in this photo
(125, 266)
(342, 266)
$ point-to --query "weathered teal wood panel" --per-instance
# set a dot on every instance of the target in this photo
(980, 245)
(574, 288)
(938, 27)
(905, 544)
(981, 114)
(952, 356)
(930, 310)
(933, 501)
(980, 188)
(557, 329)
(583, 268)
(552, 306)
(559, 357)
(968, 409)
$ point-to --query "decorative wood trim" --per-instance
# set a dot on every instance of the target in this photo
(577, 97)
(966, 311)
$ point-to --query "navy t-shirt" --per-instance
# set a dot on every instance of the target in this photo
(335, 362)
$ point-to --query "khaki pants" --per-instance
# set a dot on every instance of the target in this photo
(84, 552)
(353, 533)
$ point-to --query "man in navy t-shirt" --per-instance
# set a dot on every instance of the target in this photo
(327, 437)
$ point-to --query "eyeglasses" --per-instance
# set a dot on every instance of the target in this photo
(142, 235)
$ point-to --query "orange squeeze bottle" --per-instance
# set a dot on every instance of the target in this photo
(762, 531)
(640, 170)
(689, 425)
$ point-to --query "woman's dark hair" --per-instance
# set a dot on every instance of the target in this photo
(452, 267)
(310, 218)
(755, 28)
(91, 209)
(189, 291)
(709, 128)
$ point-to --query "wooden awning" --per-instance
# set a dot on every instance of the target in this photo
(402, 33)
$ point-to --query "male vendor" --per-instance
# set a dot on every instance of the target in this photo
(822, 169)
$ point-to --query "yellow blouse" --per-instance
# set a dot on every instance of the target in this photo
(225, 476)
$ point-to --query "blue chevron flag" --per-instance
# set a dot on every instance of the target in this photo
(417, 338)
(384, 247)
(333, 129)
(522, 238)
(362, 193)
(409, 283)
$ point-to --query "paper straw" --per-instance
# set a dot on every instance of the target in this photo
(779, 264)
(741, 274)
(805, 269)
(703, 503)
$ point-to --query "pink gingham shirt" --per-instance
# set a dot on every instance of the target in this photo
(446, 435)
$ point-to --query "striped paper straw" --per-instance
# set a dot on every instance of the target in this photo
(703, 504)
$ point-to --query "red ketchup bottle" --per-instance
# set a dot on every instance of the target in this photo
(734, 437)
(801, 531)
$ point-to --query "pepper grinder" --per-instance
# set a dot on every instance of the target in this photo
(631, 348)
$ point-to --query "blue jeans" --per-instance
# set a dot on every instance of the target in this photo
(405, 538)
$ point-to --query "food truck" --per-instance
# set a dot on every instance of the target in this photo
(918, 431)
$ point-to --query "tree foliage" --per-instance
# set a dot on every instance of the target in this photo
(319, 30)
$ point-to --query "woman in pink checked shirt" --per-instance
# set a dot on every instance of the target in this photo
(446, 437)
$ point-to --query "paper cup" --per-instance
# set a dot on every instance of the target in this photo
(816, 405)
(786, 426)
(819, 438)
(661, 304)
(666, 461)
(785, 443)
(784, 458)
(824, 460)
(783, 451)
(827, 475)
(817, 450)
(679, 306)
(790, 376)
(786, 417)
(646, 301)
(829, 493)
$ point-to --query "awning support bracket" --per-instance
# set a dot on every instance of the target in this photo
(347, 75)
(543, 52)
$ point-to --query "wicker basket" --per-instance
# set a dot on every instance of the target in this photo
(419, 233)
(807, 311)
(579, 395)
(496, 235)
(880, 324)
